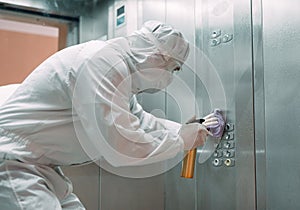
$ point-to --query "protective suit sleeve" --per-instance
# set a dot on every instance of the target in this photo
(149, 122)
(104, 123)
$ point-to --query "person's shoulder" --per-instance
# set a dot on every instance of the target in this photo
(110, 53)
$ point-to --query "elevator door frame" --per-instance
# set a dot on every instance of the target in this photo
(68, 27)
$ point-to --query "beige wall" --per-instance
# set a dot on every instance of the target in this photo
(21, 52)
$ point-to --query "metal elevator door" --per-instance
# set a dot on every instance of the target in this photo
(277, 101)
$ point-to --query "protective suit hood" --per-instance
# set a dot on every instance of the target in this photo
(153, 53)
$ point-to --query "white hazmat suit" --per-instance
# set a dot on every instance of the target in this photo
(80, 106)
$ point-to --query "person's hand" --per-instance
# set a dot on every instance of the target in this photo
(193, 134)
(192, 120)
(210, 120)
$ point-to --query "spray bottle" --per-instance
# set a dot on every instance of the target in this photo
(188, 163)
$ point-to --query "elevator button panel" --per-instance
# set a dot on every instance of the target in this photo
(218, 153)
(228, 153)
(229, 127)
(215, 42)
(229, 162)
(228, 144)
(225, 151)
(217, 162)
(218, 37)
(229, 136)
(215, 33)
(227, 38)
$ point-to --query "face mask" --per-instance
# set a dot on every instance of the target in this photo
(173, 66)
(151, 80)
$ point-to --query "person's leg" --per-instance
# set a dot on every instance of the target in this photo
(22, 187)
(71, 202)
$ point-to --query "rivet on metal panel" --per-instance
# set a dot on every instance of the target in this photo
(227, 38)
(215, 33)
(217, 162)
(215, 42)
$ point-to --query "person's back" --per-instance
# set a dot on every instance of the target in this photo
(38, 116)
(37, 128)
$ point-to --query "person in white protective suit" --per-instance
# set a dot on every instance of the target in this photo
(79, 105)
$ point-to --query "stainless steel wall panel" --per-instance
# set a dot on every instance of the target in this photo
(212, 192)
(94, 21)
(152, 10)
(180, 103)
(131, 194)
(228, 187)
(86, 183)
(245, 156)
(181, 92)
(259, 105)
(281, 49)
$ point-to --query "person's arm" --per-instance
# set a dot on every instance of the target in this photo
(102, 103)
(149, 122)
